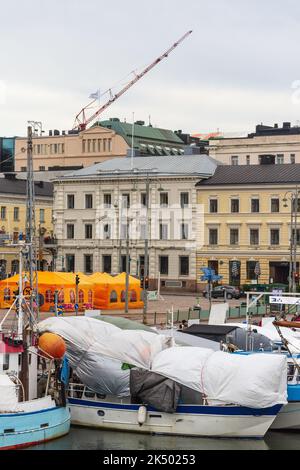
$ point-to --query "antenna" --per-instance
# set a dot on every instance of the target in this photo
(81, 121)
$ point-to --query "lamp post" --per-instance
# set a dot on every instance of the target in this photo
(293, 197)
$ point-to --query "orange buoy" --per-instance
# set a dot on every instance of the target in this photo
(52, 345)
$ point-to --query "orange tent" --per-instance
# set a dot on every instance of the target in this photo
(109, 291)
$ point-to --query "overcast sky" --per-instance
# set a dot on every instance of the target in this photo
(239, 67)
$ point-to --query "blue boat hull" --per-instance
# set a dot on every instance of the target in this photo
(25, 429)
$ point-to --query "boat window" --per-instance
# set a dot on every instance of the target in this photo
(6, 361)
(100, 413)
(44, 425)
(89, 393)
(100, 396)
(9, 430)
(290, 372)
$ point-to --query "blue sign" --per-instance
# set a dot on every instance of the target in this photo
(76, 306)
(209, 275)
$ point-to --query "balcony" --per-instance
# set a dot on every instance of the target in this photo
(50, 242)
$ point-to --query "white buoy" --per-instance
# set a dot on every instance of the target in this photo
(142, 415)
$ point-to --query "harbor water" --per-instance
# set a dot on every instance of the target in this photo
(97, 439)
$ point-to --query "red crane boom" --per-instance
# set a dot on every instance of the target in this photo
(81, 121)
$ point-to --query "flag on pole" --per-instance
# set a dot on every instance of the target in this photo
(234, 269)
(257, 271)
(95, 96)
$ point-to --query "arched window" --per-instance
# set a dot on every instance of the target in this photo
(81, 296)
(72, 296)
(61, 296)
(123, 296)
(49, 296)
(7, 293)
(113, 296)
(90, 296)
(133, 296)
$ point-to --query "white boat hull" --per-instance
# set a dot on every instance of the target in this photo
(192, 420)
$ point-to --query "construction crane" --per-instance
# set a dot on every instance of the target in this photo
(81, 120)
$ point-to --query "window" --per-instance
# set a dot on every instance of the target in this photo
(297, 235)
(106, 263)
(213, 236)
(124, 231)
(125, 201)
(70, 231)
(251, 270)
(88, 263)
(144, 199)
(255, 205)
(163, 231)
(274, 236)
(213, 206)
(280, 159)
(164, 265)
(107, 200)
(23, 168)
(247, 159)
(143, 231)
(254, 236)
(164, 199)
(3, 212)
(184, 231)
(106, 231)
(16, 213)
(70, 201)
(183, 265)
(274, 204)
(88, 231)
(42, 215)
(235, 205)
(184, 200)
(88, 201)
(42, 168)
(234, 236)
(234, 160)
(70, 259)
(293, 158)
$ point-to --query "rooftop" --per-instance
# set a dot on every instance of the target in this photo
(253, 174)
(16, 186)
(198, 165)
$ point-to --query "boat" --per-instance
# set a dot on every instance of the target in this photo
(109, 389)
(27, 416)
(92, 409)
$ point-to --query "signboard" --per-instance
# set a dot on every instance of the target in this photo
(152, 295)
(281, 300)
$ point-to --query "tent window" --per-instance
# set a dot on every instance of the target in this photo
(90, 296)
(7, 293)
(113, 296)
(81, 296)
(133, 296)
(72, 297)
(61, 296)
(49, 296)
(123, 296)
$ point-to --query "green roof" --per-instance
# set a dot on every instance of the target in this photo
(145, 136)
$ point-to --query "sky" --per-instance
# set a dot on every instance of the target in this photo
(239, 67)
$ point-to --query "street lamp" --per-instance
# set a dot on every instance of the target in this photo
(293, 197)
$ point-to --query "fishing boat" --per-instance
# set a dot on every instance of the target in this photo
(181, 392)
(107, 412)
(27, 417)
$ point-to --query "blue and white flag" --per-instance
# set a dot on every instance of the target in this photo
(95, 96)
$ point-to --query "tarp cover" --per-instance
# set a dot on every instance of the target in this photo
(259, 381)
(154, 390)
(96, 351)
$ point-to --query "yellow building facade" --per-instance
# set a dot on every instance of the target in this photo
(13, 223)
(247, 224)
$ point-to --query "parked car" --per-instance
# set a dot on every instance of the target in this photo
(218, 291)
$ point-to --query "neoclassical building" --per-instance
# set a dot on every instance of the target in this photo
(100, 210)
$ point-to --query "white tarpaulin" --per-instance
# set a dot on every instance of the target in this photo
(256, 380)
(96, 351)
(8, 394)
